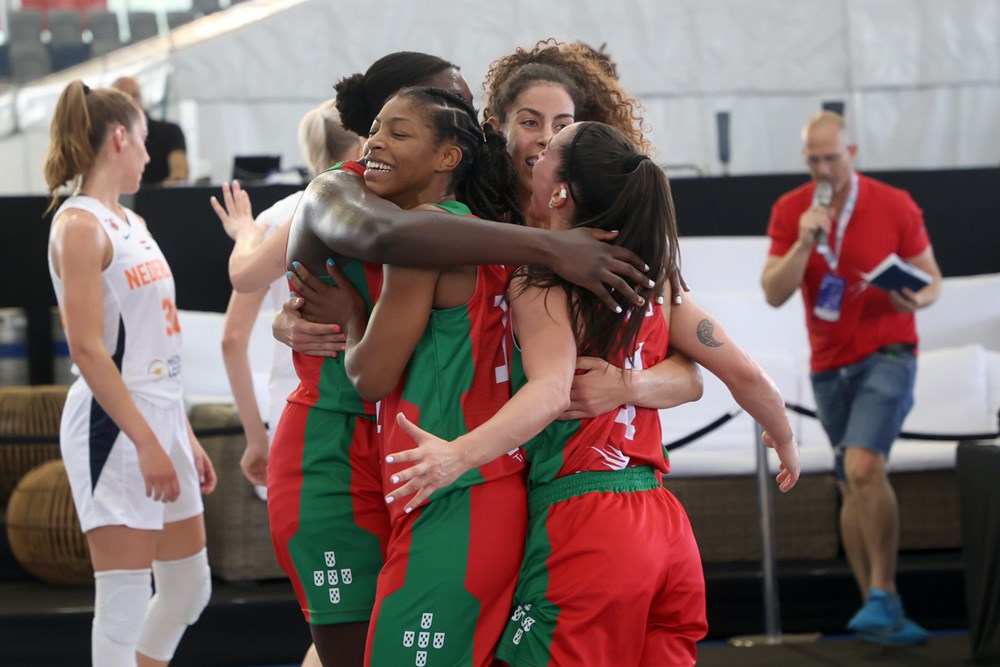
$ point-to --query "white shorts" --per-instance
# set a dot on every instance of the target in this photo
(103, 466)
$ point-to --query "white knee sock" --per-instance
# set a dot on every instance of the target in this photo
(119, 609)
(183, 588)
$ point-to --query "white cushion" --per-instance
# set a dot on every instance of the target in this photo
(203, 374)
(968, 310)
(951, 393)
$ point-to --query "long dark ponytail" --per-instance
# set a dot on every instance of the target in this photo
(613, 186)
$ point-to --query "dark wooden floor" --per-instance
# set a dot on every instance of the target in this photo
(258, 623)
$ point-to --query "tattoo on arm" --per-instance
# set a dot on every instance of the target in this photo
(705, 329)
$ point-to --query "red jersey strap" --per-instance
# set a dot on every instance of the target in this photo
(353, 167)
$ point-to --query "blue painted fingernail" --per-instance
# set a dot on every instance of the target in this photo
(329, 261)
(291, 294)
(288, 274)
(295, 265)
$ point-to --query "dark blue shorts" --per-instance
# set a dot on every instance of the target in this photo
(864, 404)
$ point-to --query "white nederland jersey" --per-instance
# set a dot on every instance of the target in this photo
(141, 331)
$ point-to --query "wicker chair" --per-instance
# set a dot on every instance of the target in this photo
(29, 431)
(43, 528)
(239, 537)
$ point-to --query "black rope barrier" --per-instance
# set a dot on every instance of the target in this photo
(704, 430)
(676, 444)
(940, 437)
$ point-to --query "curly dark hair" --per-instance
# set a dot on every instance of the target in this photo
(604, 101)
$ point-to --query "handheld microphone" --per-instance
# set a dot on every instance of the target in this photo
(824, 197)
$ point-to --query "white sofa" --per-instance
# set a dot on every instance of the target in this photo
(957, 392)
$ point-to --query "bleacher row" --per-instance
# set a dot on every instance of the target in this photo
(45, 37)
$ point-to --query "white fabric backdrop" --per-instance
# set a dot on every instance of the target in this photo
(920, 78)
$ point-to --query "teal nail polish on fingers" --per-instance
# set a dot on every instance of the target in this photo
(288, 274)
(329, 261)
(295, 265)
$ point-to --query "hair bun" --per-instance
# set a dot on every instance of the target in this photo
(352, 104)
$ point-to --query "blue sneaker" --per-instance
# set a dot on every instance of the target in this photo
(882, 613)
(907, 634)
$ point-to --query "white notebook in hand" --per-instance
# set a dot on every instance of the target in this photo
(893, 274)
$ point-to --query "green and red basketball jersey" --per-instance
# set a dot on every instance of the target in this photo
(329, 522)
(626, 437)
(323, 382)
(457, 377)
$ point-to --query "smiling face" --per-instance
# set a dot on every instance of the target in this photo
(406, 163)
(547, 185)
(537, 114)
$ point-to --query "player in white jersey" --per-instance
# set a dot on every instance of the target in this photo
(134, 465)
(324, 142)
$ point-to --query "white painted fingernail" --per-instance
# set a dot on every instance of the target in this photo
(394, 479)
(659, 300)
(618, 309)
(388, 500)
(409, 509)
(652, 283)
(388, 459)
(646, 267)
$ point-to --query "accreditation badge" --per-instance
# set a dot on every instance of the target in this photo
(831, 297)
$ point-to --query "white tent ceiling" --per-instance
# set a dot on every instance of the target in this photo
(920, 78)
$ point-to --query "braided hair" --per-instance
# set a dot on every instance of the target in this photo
(484, 179)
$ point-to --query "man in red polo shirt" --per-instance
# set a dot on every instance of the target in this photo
(824, 235)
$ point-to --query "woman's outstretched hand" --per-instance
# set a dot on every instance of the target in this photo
(323, 302)
(235, 213)
(788, 454)
(436, 464)
(583, 257)
(311, 338)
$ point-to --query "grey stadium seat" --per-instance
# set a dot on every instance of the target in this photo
(104, 46)
(178, 18)
(29, 60)
(65, 26)
(103, 25)
(142, 25)
(24, 25)
(66, 45)
(205, 6)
